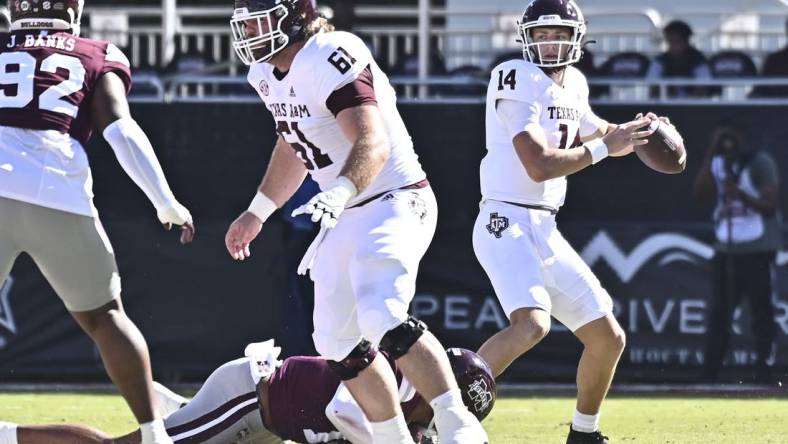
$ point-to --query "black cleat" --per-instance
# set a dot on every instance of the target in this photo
(576, 437)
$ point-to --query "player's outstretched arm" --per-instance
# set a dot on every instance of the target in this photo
(543, 163)
(135, 153)
(284, 175)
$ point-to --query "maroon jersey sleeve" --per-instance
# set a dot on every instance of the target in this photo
(47, 80)
(117, 62)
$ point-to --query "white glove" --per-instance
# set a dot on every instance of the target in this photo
(327, 205)
(174, 213)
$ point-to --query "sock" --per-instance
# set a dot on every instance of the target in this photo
(585, 423)
(451, 416)
(452, 398)
(154, 432)
(394, 430)
(8, 433)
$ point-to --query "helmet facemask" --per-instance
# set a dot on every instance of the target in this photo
(269, 38)
(533, 50)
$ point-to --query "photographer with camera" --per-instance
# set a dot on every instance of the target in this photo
(745, 182)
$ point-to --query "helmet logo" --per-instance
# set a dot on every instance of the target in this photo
(47, 6)
(548, 18)
(25, 6)
(480, 395)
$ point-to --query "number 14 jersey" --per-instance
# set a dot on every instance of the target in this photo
(334, 71)
(47, 81)
(563, 114)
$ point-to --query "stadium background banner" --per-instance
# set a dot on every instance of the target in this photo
(648, 241)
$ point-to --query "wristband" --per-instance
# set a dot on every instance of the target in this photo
(347, 185)
(262, 206)
(597, 149)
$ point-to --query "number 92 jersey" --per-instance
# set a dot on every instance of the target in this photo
(332, 72)
(47, 80)
(563, 114)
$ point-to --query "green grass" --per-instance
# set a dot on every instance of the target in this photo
(631, 419)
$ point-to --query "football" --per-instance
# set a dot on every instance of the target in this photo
(664, 151)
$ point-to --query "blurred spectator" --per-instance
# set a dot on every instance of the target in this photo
(730, 65)
(745, 182)
(623, 65)
(191, 61)
(775, 65)
(681, 60)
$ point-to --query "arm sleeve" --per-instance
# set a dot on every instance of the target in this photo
(116, 61)
(135, 154)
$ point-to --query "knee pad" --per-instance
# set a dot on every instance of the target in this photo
(359, 358)
(397, 341)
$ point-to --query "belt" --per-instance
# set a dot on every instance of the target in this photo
(550, 210)
(424, 183)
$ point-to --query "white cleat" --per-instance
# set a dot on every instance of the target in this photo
(167, 401)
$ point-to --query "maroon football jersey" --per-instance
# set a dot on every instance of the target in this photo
(299, 392)
(47, 80)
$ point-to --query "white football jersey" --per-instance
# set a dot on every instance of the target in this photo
(46, 168)
(562, 112)
(297, 101)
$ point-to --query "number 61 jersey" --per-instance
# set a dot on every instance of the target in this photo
(563, 114)
(332, 72)
(47, 81)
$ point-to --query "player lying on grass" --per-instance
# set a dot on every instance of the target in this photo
(259, 399)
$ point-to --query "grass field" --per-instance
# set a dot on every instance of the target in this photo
(630, 419)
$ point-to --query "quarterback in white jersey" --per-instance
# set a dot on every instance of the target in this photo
(337, 120)
(541, 129)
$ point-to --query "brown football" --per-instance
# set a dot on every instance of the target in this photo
(664, 151)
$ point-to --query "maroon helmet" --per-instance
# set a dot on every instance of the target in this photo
(61, 15)
(262, 28)
(475, 379)
(552, 13)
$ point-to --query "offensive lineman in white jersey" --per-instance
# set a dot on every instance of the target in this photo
(537, 120)
(337, 120)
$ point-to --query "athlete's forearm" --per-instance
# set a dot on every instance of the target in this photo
(371, 149)
(365, 161)
(284, 175)
(542, 163)
(135, 154)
